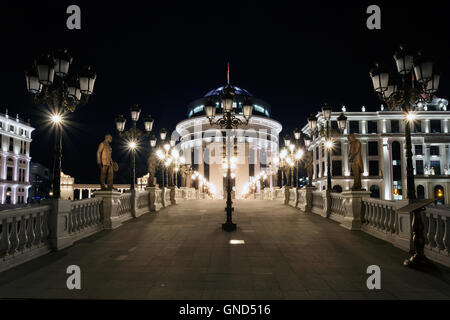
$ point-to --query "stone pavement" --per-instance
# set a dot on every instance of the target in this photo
(182, 253)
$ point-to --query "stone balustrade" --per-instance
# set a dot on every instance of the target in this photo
(437, 234)
(355, 210)
(29, 232)
(23, 235)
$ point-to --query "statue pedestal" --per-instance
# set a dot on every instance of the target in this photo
(184, 193)
(353, 207)
(152, 198)
(111, 200)
(309, 199)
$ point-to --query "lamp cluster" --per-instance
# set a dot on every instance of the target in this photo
(65, 91)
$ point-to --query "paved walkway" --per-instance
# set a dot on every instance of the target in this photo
(182, 253)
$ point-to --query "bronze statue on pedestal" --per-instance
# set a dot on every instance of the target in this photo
(152, 161)
(106, 164)
(355, 160)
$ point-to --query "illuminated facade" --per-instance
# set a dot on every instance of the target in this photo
(15, 139)
(254, 146)
(382, 136)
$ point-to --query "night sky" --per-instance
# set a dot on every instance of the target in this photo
(162, 56)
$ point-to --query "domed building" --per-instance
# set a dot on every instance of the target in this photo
(254, 144)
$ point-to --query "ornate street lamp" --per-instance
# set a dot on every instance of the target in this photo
(61, 94)
(134, 135)
(229, 121)
(312, 122)
(405, 95)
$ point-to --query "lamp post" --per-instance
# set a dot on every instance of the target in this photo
(405, 94)
(134, 135)
(417, 83)
(61, 94)
(327, 134)
(229, 121)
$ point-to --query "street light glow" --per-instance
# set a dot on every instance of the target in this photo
(56, 118)
(411, 116)
(329, 144)
(132, 145)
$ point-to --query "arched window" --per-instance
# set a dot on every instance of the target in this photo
(337, 188)
(420, 192)
(8, 196)
(374, 191)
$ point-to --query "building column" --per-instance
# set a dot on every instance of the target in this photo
(387, 167)
(16, 169)
(89, 193)
(364, 158)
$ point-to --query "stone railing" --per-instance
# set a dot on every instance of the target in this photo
(337, 211)
(85, 218)
(301, 199)
(30, 232)
(23, 235)
(355, 210)
(380, 219)
(318, 202)
(278, 194)
(125, 206)
(437, 233)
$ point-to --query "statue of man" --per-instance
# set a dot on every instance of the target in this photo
(184, 172)
(104, 160)
(355, 159)
(151, 169)
(309, 167)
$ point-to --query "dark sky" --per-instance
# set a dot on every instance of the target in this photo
(163, 55)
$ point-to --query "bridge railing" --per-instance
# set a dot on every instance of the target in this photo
(437, 233)
(355, 210)
(85, 218)
(23, 234)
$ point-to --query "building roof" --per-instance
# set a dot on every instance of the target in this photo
(260, 107)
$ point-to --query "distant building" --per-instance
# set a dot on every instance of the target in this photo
(40, 182)
(15, 140)
(255, 145)
(382, 137)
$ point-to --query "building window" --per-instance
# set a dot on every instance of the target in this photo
(337, 188)
(435, 126)
(9, 173)
(418, 126)
(420, 192)
(354, 126)
(317, 171)
(323, 151)
(337, 149)
(373, 168)
(373, 148)
(395, 126)
(419, 167)
(418, 150)
(374, 191)
(436, 167)
(434, 150)
(317, 153)
(323, 169)
(11, 144)
(336, 168)
(11, 128)
(372, 127)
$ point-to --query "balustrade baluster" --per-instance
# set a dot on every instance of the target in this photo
(14, 237)
(445, 237)
(430, 231)
(439, 233)
(387, 219)
(30, 230)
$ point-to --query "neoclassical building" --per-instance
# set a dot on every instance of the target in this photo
(15, 139)
(254, 146)
(382, 136)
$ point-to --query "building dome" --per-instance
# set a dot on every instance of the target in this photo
(260, 107)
